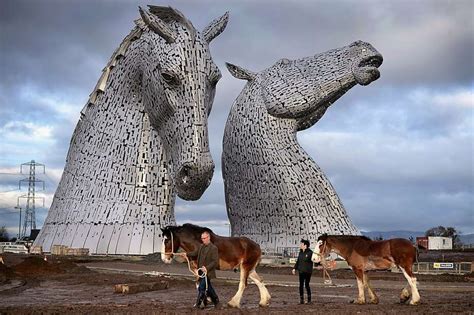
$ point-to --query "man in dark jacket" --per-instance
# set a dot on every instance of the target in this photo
(207, 262)
(304, 265)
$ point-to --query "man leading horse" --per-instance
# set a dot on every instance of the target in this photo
(207, 262)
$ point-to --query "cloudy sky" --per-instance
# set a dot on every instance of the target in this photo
(399, 151)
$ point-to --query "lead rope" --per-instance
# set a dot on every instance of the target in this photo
(195, 273)
(325, 264)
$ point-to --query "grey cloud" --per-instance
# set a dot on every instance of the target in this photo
(60, 48)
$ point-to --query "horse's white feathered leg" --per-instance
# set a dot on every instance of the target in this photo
(405, 294)
(235, 301)
(360, 285)
(264, 294)
(373, 297)
(415, 296)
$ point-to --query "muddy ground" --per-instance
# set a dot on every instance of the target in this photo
(28, 285)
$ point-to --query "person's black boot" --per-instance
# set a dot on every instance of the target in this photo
(215, 300)
(309, 300)
(301, 300)
(200, 300)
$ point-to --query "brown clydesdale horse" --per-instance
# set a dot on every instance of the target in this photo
(363, 254)
(234, 252)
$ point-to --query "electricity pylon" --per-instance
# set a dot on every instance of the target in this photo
(30, 215)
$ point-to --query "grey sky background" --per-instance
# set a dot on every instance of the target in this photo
(399, 152)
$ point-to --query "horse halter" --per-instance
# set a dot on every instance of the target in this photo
(172, 253)
(321, 253)
(196, 273)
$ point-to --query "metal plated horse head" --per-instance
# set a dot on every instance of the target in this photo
(179, 80)
(303, 89)
(141, 140)
(274, 191)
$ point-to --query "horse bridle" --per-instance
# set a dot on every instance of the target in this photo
(172, 246)
(321, 255)
(196, 273)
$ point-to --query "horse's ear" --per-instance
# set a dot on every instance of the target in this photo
(214, 28)
(239, 72)
(158, 26)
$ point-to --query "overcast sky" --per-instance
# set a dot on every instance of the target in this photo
(399, 152)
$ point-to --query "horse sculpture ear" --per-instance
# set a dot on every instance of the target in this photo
(158, 26)
(214, 28)
(240, 73)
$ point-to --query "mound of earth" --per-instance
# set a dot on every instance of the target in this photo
(6, 273)
(33, 267)
(36, 266)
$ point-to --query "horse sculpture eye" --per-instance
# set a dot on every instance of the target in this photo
(170, 79)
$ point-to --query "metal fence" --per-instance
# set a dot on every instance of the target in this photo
(443, 267)
(281, 252)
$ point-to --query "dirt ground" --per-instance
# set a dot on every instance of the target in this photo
(28, 285)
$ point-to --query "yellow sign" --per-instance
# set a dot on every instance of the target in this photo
(443, 265)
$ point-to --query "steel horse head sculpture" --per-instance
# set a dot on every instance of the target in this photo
(142, 138)
(275, 192)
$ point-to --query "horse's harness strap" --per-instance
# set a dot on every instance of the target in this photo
(195, 273)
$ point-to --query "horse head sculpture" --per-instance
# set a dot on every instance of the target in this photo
(317, 80)
(179, 81)
(141, 140)
(274, 191)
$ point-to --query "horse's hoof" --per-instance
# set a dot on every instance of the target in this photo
(404, 300)
(230, 304)
(358, 302)
(376, 301)
(264, 304)
(414, 302)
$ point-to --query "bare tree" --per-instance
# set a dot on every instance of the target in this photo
(3, 234)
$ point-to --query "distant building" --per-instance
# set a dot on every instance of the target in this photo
(434, 242)
(422, 242)
(439, 242)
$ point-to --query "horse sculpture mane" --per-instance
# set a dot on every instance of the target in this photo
(140, 141)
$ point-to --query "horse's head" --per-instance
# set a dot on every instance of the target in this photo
(170, 245)
(304, 88)
(321, 249)
(179, 80)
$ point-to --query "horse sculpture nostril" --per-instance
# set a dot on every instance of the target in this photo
(184, 173)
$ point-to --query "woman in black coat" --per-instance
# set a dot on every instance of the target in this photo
(304, 265)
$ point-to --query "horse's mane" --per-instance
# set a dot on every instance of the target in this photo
(344, 237)
(195, 229)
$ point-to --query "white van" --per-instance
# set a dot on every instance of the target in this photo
(13, 248)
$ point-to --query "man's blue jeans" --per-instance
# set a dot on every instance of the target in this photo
(210, 290)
